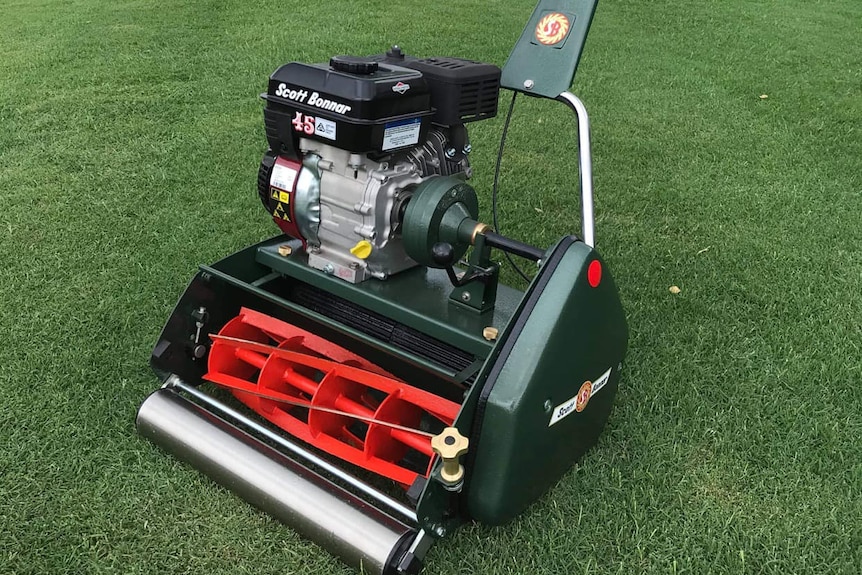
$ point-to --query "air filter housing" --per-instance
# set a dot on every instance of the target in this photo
(461, 90)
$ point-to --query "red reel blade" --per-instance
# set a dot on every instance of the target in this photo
(326, 395)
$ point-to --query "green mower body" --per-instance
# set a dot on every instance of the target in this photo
(355, 377)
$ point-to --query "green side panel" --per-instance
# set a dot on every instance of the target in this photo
(545, 57)
(527, 429)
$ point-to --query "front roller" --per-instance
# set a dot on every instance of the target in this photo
(346, 526)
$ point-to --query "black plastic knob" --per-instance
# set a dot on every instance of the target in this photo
(395, 53)
(353, 65)
(443, 254)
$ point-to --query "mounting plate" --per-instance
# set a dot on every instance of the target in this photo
(544, 60)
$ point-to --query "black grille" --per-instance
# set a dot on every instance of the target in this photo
(264, 173)
(380, 327)
(461, 90)
(478, 100)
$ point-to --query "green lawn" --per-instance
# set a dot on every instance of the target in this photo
(728, 161)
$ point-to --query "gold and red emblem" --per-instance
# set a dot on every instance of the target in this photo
(583, 396)
(552, 28)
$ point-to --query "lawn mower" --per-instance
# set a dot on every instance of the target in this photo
(364, 376)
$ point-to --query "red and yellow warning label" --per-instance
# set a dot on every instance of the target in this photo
(552, 28)
(282, 200)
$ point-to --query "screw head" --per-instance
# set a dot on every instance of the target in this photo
(450, 152)
(468, 148)
(329, 269)
(528, 84)
(465, 296)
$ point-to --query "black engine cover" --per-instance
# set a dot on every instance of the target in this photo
(352, 103)
(375, 104)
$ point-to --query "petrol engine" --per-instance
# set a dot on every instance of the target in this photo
(350, 141)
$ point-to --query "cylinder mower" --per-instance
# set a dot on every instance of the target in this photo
(364, 377)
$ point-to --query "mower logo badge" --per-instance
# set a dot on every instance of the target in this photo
(579, 401)
(400, 87)
(583, 396)
(552, 29)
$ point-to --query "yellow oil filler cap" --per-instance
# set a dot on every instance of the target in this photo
(362, 249)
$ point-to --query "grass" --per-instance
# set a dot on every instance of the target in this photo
(130, 133)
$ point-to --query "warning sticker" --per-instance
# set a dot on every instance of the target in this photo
(279, 195)
(401, 133)
(324, 128)
(281, 211)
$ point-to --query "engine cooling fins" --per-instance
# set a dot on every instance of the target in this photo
(328, 396)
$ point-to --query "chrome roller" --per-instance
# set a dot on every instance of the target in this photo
(340, 522)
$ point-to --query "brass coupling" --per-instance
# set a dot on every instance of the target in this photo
(479, 229)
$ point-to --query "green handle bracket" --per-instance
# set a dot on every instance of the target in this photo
(544, 60)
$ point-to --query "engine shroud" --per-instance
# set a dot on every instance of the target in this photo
(378, 103)
(386, 109)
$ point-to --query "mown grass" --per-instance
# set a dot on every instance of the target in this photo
(130, 134)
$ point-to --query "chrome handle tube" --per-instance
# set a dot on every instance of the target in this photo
(585, 168)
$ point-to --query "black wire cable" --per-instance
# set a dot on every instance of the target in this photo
(496, 179)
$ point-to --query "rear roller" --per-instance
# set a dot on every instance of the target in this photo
(346, 526)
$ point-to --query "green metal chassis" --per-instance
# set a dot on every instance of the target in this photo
(554, 337)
